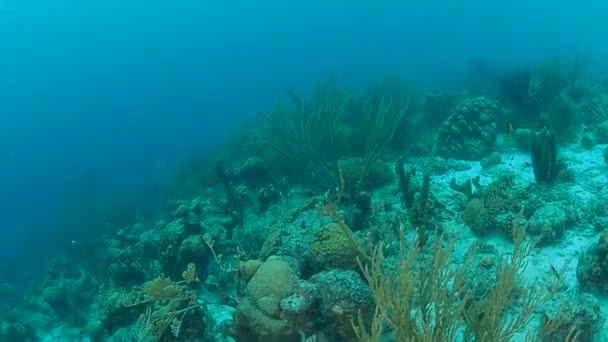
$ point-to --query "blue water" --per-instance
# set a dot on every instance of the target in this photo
(106, 96)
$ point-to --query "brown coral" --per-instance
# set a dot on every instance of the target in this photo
(331, 247)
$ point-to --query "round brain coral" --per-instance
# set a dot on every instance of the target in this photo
(273, 281)
(332, 248)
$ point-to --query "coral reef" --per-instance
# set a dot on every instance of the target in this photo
(338, 223)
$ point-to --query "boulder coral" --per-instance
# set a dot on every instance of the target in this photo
(470, 132)
(592, 270)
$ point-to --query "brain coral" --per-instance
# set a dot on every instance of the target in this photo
(273, 281)
(332, 248)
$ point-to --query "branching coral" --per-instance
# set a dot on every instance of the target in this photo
(433, 301)
(177, 301)
(486, 319)
(415, 302)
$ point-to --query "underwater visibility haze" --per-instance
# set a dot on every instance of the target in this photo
(160, 161)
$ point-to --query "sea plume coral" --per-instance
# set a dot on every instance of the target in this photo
(431, 300)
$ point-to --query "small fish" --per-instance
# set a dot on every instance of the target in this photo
(527, 165)
(511, 130)
(559, 275)
(283, 190)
